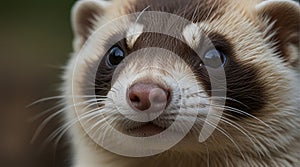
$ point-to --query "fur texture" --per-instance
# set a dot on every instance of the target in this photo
(262, 41)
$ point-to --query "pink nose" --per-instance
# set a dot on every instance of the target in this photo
(143, 96)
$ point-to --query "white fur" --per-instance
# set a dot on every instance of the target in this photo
(133, 33)
(192, 35)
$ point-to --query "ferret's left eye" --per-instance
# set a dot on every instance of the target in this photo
(214, 58)
(115, 56)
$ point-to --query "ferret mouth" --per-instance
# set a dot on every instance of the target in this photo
(146, 130)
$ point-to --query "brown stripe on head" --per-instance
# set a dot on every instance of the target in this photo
(193, 10)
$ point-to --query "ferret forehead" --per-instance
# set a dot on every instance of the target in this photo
(193, 10)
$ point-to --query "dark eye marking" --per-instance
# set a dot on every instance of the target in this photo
(105, 69)
(243, 82)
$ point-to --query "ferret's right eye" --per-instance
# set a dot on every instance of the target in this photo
(115, 56)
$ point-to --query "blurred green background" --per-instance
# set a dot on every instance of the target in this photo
(35, 42)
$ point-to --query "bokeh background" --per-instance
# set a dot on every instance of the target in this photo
(35, 42)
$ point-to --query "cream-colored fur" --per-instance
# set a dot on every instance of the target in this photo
(271, 140)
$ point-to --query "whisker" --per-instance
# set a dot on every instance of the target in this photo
(60, 132)
(61, 97)
(140, 14)
(226, 135)
(46, 111)
(246, 114)
(244, 132)
(45, 99)
(49, 118)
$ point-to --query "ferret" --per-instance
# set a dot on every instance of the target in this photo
(151, 71)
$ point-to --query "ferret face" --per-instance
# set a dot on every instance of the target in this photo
(140, 81)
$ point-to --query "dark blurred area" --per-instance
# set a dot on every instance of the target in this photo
(35, 42)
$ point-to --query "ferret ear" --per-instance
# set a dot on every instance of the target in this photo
(285, 14)
(84, 13)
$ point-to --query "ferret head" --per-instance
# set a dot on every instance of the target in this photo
(127, 75)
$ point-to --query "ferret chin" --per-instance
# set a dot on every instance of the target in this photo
(142, 74)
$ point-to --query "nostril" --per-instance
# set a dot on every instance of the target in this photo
(168, 95)
(139, 99)
(134, 98)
